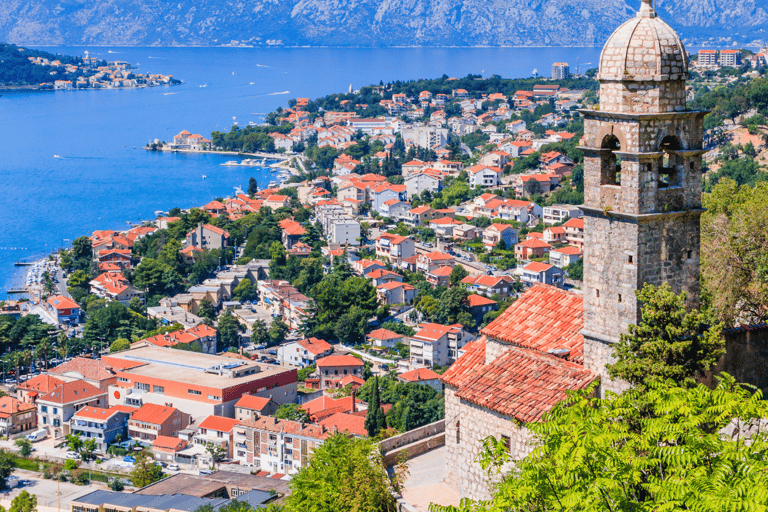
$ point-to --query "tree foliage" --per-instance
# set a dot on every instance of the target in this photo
(292, 412)
(145, 471)
(663, 448)
(734, 252)
(669, 343)
(342, 474)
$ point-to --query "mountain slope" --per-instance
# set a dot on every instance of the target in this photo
(360, 22)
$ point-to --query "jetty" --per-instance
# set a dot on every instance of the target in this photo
(23, 263)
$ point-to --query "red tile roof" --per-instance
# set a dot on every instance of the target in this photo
(344, 422)
(10, 405)
(167, 442)
(152, 413)
(344, 360)
(442, 271)
(69, 392)
(523, 384)
(218, 423)
(319, 406)
(544, 318)
(575, 223)
(315, 345)
(352, 379)
(253, 402)
(419, 374)
(61, 302)
(384, 334)
(41, 383)
(462, 371)
(534, 243)
(96, 413)
(570, 250)
(537, 266)
(432, 331)
(475, 300)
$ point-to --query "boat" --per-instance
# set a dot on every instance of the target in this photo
(204, 176)
(272, 184)
(231, 163)
(253, 83)
(251, 123)
(204, 85)
(56, 156)
(264, 162)
(234, 123)
(234, 117)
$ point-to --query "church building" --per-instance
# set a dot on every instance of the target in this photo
(642, 194)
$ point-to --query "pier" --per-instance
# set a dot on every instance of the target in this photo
(23, 263)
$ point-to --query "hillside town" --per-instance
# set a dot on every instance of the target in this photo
(452, 264)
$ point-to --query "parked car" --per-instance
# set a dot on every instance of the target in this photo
(73, 455)
(273, 352)
(173, 467)
(205, 471)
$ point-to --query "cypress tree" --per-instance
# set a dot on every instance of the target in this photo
(372, 420)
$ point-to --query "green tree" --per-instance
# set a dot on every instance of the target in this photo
(277, 332)
(7, 466)
(661, 448)
(218, 452)
(428, 306)
(734, 252)
(343, 474)
(74, 442)
(145, 471)
(292, 412)
(119, 345)
(457, 274)
(244, 291)
(24, 502)
(576, 269)
(259, 333)
(228, 331)
(350, 327)
(453, 303)
(25, 446)
(253, 186)
(207, 310)
(89, 446)
(669, 343)
(374, 418)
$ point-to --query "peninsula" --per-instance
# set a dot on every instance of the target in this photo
(27, 69)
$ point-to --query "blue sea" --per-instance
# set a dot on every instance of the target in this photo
(105, 180)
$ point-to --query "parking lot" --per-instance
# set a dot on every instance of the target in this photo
(49, 493)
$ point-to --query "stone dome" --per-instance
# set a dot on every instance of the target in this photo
(644, 48)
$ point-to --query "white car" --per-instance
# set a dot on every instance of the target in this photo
(173, 467)
(73, 455)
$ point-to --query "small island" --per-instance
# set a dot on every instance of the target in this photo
(27, 69)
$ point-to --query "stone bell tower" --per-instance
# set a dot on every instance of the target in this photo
(642, 182)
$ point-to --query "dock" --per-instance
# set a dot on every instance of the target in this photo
(17, 291)
(23, 263)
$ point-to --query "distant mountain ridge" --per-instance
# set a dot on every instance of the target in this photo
(364, 22)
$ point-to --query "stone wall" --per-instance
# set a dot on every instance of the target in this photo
(475, 423)
(411, 436)
(642, 97)
(746, 357)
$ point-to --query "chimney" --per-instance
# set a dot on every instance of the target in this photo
(354, 405)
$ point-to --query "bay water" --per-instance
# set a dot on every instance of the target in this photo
(104, 179)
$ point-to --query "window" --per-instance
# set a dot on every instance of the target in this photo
(629, 259)
(619, 297)
(598, 293)
(44, 408)
(158, 389)
(458, 432)
(214, 397)
(690, 254)
(142, 386)
(55, 410)
(507, 443)
(193, 392)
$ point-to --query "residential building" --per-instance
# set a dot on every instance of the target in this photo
(114, 287)
(395, 292)
(531, 248)
(420, 216)
(366, 266)
(284, 301)
(384, 192)
(426, 179)
(422, 376)
(490, 285)
(395, 248)
(344, 231)
(276, 446)
(560, 71)
(152, 420)
(207, 236)
(496, 233)
(564, 256)
(440, 276)
(528, 185)
(384, 338)
(197, 384)
(466, 232)
(484, 176)
(332, 369)
(437, 345)
(730, 58)
(381, 276)
(558, 213)
(16, 416)
(29, 390)
(544, 273)
(101, 424)
(707, 58)
(251, 407)
(217, 431)
(427, 137)
(56, 408)
(479, 306)
(165, 448)
(574, 232)
(554, 235)
(66, 310)
(443, 227)
(433, 260)
(395, 209)
(304, 352)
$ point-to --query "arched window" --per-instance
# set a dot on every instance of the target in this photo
(669, 173)
(611, 163)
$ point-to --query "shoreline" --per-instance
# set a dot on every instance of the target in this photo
(37, 88)
(281, 164)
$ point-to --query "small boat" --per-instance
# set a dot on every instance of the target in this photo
(204, 176)
(231, 163)
(56, 156)
(253, 83)
(204, 85)
(234, 117)
(235, 123)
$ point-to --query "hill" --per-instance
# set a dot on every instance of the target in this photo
(363, 22)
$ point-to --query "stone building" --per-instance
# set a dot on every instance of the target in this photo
(642, 182)
(642, 194)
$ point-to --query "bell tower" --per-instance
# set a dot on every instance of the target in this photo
(642, 183)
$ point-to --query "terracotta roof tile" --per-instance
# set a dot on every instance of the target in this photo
(419, 374)
(254, 402)
(344, 360)
(152, 413)
(544, 318)
(315, 345)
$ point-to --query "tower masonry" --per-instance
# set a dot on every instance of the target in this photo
(642, 183)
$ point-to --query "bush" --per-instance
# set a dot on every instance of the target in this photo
(117, 485)
(117, 451)
(70, 465)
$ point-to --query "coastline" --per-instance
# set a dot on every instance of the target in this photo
(282, 164)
